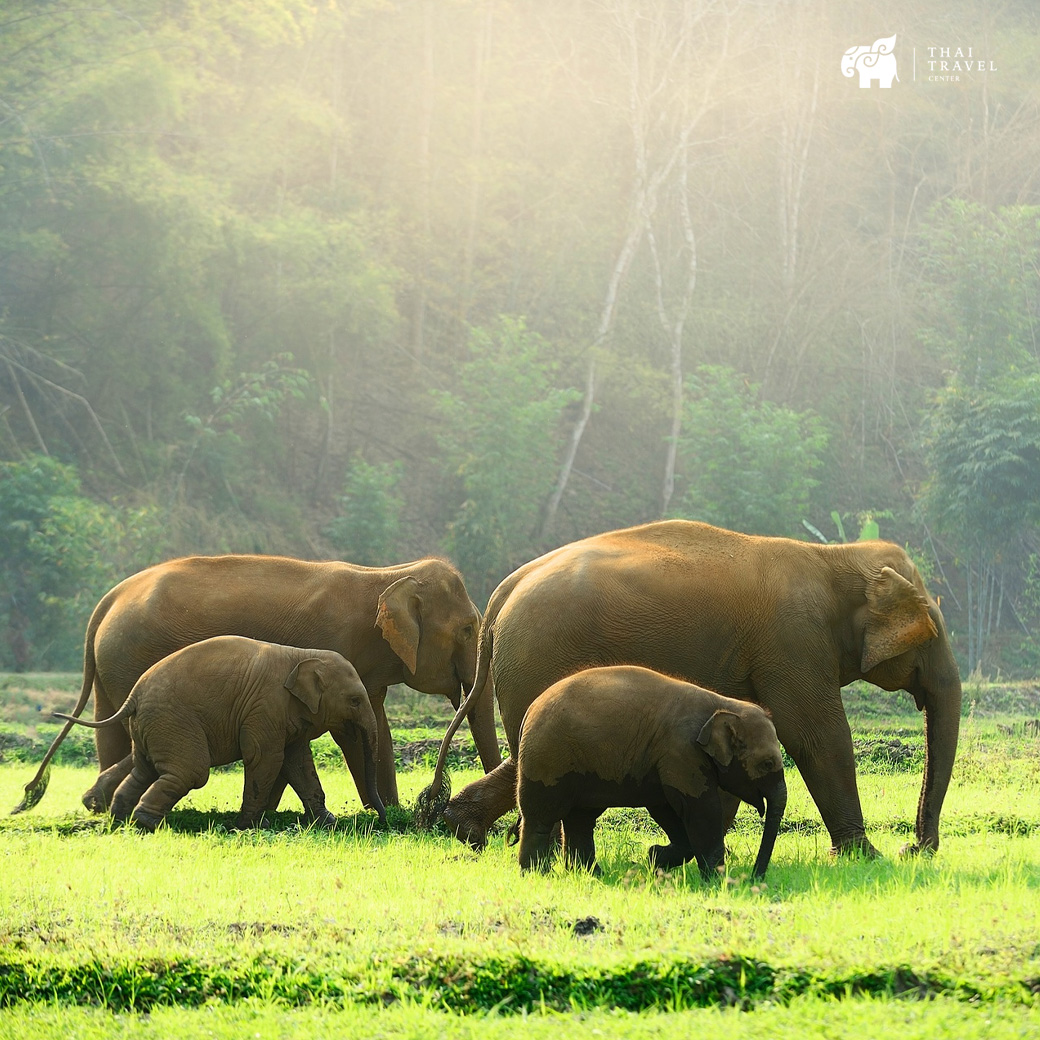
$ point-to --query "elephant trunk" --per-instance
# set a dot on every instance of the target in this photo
(776, 803)
(942, 719)
(369, 744)
(429, 804)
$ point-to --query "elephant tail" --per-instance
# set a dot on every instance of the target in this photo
(36, 788)
(124, 712)
(430, 802)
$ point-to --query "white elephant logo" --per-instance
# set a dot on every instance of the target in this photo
(873, 63)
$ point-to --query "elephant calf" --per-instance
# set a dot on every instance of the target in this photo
(630, 736)
(230, 698)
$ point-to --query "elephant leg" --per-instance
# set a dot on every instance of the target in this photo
(161, 797)
(828, 767)
(262, 767)
(298, 769)
(537, 847)
(98, 797)
(730, 805)
(386, 770)
(470, 814)
(129, 792)
(178, 771)
(579, 842)
(112, 742)
(703, 821)
(678, 850)
(275, 797)
(482, 726)
(354, 755)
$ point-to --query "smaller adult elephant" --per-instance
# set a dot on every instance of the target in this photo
(230, 698)
(413, 623)
(630, 736)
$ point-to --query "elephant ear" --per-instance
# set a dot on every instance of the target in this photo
(897, 619)
(718, 736)
(399, 617)
(305, 683)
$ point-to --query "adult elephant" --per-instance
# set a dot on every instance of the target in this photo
(780, 622)
(413, 624)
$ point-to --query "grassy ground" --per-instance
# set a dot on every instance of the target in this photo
(291, 932)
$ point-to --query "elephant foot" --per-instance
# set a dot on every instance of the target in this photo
(913, 848)
(857, 847)
(121, 813)
(95, 800)
(324, 820)
(664, 857)
(537, 861)
(145, 821)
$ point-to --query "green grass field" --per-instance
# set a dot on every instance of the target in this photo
(200, 931)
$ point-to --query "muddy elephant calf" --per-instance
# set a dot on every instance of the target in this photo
(630, 736)
(230, 698)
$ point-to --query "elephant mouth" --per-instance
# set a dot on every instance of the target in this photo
(438, 687)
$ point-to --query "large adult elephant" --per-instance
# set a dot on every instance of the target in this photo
(413, 624)
(780, 622)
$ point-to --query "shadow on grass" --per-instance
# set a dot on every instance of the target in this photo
(196, 821)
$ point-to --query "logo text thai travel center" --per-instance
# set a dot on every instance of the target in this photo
(932, 63)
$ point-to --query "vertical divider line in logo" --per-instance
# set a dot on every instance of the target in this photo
(915, 64)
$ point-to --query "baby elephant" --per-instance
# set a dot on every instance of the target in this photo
(230, 698)
(630, 736)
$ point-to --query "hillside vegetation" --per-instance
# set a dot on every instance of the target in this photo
(379, 279)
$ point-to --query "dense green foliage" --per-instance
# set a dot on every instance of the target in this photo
(382, 279)
(730, 430)
(57, 547)
(501, 417)
(366, 526)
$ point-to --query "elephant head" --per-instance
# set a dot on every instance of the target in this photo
(431, 624)
(747, 758)
(331, 692)
(902, 643)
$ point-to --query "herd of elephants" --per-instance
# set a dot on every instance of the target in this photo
(660, 666)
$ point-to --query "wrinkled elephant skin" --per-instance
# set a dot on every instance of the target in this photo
(783, 623)
(412, 623)
(630, 736)
(227, 699)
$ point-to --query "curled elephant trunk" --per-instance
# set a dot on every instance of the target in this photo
(776, 803)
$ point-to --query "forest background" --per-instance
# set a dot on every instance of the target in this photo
(374, 279)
